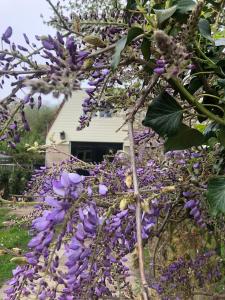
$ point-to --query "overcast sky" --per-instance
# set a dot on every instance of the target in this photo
(24, 17)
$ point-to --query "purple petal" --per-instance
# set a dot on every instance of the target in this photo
(48, 45)
(102, 189)
(41, 224)
(190, 204)
(35, 241)
(75, 178)
(52, 202)
(65, 181)
(58, 188)
(75, 244)
(8, 33)
(89, 190)
(159, 70)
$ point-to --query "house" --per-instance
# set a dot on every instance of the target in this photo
(89, 144)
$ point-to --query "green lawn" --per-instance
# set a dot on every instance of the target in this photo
(10, 237)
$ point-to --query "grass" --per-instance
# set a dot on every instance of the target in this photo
(10, 237)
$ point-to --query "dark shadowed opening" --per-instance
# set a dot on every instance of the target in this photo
(94, 152)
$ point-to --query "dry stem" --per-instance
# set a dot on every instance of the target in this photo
(138, 212)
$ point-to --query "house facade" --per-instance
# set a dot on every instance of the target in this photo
(89, 144)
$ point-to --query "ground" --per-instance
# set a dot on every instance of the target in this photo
(14, 236)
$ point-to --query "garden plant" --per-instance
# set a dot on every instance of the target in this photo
(162, 64)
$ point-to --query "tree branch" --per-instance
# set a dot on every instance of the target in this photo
(138, 212)
(177, 85)
(140, 102)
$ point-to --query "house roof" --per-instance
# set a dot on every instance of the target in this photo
(58, 111)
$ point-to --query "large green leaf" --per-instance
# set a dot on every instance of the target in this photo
(221, 82)
(185, 138)
(194, 85)
(221, 135)
(205, 30)
(164, 115)
(216, 194)
(145, 48)
(164, 14)
(122, 43)
(184, 6)
(211, 130)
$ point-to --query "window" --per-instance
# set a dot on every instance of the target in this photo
(105, 114)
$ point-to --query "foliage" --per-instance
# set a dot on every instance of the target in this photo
(13, 181)
(39, 122)
(12, 237)
(164, 59)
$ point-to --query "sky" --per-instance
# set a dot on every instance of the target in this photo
(24, 17)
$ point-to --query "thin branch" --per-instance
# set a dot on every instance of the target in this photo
(138, 212)
(177, 85)
(111, 47)
(63, 22)
(140, 102)
(21, 72)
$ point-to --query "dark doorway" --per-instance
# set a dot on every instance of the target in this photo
(94, 152)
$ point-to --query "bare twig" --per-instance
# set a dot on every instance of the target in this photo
(138, 212)
(141, 100)
(111, 47)
(63, 22)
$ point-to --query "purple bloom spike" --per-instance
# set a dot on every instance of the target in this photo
(7, 34)
(26, 38)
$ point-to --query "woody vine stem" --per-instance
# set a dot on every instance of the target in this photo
(138, 211)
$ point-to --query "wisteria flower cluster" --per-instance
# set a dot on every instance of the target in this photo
(136, 58)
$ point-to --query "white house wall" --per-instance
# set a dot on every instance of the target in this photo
(100, 129)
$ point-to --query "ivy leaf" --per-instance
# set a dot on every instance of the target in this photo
(185, 138)
(122, 43)
(221, 82)
(221, 135)
(184, 6)
(164, 115)
(131, 4)
(216, 194)
(164, 14)
(211, 130)
(145, 48)
(194, 85)
(205, 30)
(133, 33)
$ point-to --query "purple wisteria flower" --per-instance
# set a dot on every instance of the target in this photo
(7, 34)
(102, 189)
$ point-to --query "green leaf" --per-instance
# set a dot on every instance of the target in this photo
(194, 85)
(216, 194)
(133, 33)
(205, 30)
(221, 135)
(211, 130)
(145, 48)
(184, 6)
(185, 138)
(118, 49)
(164, 115)
(221, 82)
(131, 5)
(122, 43)
(164, 14)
